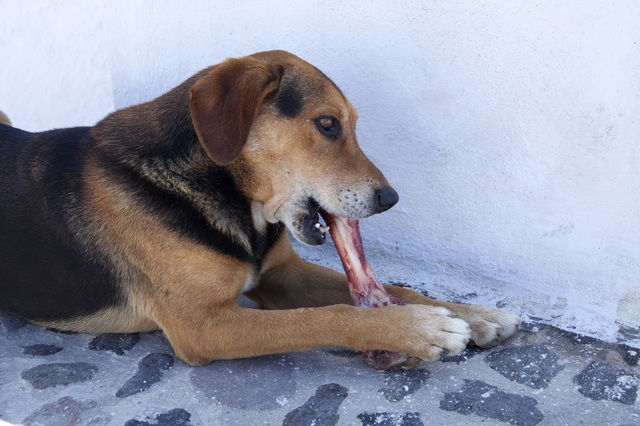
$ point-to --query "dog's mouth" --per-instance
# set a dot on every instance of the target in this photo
(307, 227)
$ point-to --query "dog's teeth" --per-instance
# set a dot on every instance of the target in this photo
(320, 228)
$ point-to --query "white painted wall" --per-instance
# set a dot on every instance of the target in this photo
(510, 129)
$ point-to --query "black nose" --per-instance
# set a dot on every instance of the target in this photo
(385, 198)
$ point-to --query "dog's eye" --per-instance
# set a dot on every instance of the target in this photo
(328, 126)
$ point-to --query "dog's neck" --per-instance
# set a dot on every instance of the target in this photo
(157, 141)
(162, 126)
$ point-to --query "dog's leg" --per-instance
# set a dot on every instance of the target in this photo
(291, 282)
(229, 331)
(300, 284)
(306, 284)
(193, 300)
(288, 282)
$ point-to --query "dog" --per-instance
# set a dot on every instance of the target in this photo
(163, 213)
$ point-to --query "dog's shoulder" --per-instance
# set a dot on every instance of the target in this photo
(160, 162)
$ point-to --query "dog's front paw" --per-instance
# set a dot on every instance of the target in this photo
(438, 333)
(489, 326)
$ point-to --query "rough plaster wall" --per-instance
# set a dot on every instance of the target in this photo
(510, 129)
(53, 64)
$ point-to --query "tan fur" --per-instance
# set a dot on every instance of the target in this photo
(4, 119)
(189, 290)
(289, 160)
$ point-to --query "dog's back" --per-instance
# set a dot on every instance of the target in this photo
(40, 187)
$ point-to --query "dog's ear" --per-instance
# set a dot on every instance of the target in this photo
(224, 104)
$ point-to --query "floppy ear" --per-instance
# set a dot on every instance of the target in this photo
(225, 102)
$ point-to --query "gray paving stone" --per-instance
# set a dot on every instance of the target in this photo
(630, 355)
(41, 350)
(267, 390)
(150, 371)
(531, 365)
(532, 326)
(175, 417)
(579, 339)
(116, 343)
(10, 323)
(390, 419)
(319, 410)
(260, 383)
(55, 374)
(539, 337)
(398, 384)
(377, 419)
(411, 419)
(602, 381)
(479, 398)
(463, 356)
(65, 411)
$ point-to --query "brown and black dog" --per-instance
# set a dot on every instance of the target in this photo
(162, 214)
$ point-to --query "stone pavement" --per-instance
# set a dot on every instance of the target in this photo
(544, 376)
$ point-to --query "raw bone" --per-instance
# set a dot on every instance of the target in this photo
(366, 290)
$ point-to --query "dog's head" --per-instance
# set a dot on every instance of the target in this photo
(288, 133)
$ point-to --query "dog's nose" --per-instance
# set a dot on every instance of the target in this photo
(385, 198)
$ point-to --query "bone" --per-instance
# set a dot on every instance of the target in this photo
(366, 290)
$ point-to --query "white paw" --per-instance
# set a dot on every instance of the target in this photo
(489, 326)
(440, 334)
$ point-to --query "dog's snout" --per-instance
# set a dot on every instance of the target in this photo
(385, 198)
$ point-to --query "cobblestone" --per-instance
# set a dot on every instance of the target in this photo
(544, 376)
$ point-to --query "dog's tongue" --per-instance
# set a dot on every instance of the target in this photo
(366, 290)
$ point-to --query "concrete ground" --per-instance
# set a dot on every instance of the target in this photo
(544, 376)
